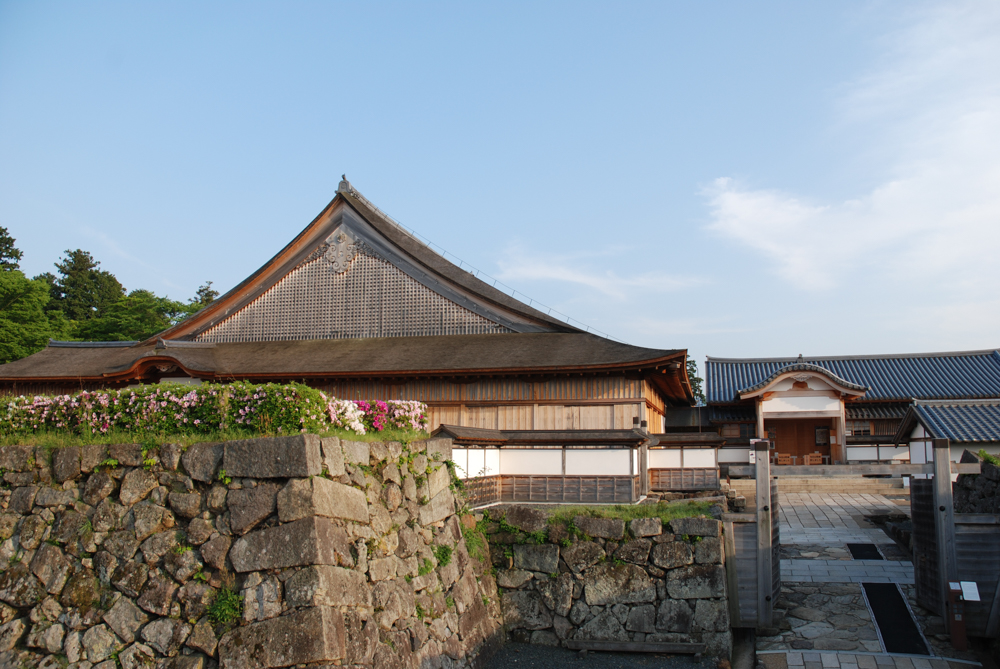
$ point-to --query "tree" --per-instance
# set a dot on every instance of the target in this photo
(24, 326)
(695, 382)
(135, 317)
(204, 297)
(10, 255)
(82, 291)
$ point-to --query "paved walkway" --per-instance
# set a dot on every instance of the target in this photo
(822, 621)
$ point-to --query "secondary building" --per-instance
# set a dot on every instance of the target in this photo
(830, 410)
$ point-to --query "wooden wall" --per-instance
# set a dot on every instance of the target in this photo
(537, 416)
(798, 436)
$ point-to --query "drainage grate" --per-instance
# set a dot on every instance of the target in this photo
(897, 630)
(865, 552)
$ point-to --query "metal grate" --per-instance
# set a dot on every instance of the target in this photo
(372, 298)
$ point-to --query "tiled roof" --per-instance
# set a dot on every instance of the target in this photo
(962, 375)
(877, 411)
(961, 422)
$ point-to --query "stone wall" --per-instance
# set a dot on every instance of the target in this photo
(345, 553)
(977, 493)
(601, 579)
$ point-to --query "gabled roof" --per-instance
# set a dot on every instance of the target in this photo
(959, 375)
(368, 232)
(973, 421)
(803, 367)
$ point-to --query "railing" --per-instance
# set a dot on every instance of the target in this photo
(687, 478)
(853, 470)
(482, 490)
(579, 489)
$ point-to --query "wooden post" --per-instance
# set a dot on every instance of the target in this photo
(732, 575)
(944, 523)
(765, 577)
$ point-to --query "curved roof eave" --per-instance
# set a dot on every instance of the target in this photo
(844, 384)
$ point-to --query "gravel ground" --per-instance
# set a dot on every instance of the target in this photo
(527, 656)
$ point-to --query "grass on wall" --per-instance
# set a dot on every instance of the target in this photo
(665, 511)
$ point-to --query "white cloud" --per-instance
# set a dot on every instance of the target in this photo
(588, 270)
(933, 223)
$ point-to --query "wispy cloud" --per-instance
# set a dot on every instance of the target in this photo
(933, 100)
(588, 270)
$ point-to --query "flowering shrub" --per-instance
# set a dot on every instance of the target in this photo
(267, 408)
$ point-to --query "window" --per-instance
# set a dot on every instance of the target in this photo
(739, 430)
(859, 428)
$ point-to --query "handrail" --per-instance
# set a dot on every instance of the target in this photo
(855, 470)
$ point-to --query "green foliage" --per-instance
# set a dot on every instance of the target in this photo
(226, 608)
(82, 290)
(449, 602)
(134, 317)
(421, 614)
(108, 463)
(10, 255)
(223, 477)
(475, 543)
(443, 555)
(696, 382)
(426, 567)
(25, 327)
(457, 484)
(992, 459)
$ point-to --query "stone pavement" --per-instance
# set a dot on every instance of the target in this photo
(821, 619)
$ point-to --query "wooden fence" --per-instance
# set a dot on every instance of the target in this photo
(482, 490)
(687, 478)
(977, 558)
(570, 489)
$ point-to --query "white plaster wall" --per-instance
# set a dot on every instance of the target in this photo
(885, 454)
(664, 458)
(739, 456)
(795, 403)
(472, 462)
(603, 462)
(531, 461)
(699, 457)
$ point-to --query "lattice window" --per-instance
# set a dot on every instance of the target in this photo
(372, 298)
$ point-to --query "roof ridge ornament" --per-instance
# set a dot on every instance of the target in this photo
(344, 186)
(341, 249)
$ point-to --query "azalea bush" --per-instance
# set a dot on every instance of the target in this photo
(268, 408)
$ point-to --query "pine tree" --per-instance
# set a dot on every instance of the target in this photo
(695, 381)
(82, 291)
(10, 255)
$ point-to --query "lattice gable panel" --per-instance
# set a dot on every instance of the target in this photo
(346, 289)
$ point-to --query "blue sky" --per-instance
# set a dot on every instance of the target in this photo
(738, 179)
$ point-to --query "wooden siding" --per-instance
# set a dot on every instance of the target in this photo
(574, 489)
(688, 478)
(493, 391)
(536, 416)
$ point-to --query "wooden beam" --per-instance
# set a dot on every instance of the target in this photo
(732, 573)
(637, 647)
(944, 524)
(765, 606)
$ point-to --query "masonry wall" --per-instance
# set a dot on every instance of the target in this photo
(345, 553)
(977, 493)
(640, 582)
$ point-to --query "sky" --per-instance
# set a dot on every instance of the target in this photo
(737, 179)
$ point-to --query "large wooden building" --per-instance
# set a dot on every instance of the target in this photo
(357, 306)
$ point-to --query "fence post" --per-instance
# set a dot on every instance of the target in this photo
(944, 524)
(765, 576)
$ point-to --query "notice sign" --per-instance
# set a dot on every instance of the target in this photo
(970, 591)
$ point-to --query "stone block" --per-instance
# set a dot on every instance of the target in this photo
(617, 584)
(325, 585)
(603, 528)
(297, 456)
(166, 635)
(158, 595)
(541, 557)
(51, 567)
(136, 485)
(557, 593)
(214, 551)
(50, 497)
(642, 619)
(333, 456)
(523, 609)
(525, 518)
(100, 643)
(438, 479)
(66, 464)
(513, 578)
(137, 656)
(697, 582)
(203, 637)
(19, 587)
(645, 527)
(127, 455)
(170, 456)
(22, 499)
(8, 522)
(130, 578)
(604, 627)
(582, 555)
(11, 633)
(356, 452)
(696, 527)
(635, 551)
(201, 460)
(91, 456)
(185, 505)
(310, 541)
(709, 551)
(394, 600)
(711, 616)
(261, 598)
(674, 616)
(249, 506)
(98, 487)
(302, 498)
(125, 618)
(16, 458)
(672, 555)
(440, 507)
(438, 450)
